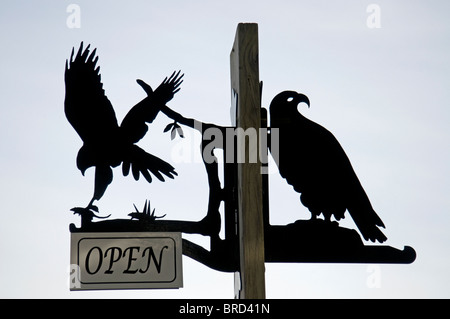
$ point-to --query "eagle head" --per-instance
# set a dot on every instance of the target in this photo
(287, 102)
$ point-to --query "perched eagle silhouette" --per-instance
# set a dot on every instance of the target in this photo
(105, 143)
(312, 161)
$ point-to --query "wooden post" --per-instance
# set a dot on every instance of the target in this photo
(250, 283)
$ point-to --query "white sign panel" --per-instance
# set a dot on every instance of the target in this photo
(132, 260)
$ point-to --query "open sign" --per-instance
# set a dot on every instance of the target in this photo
(126, 260)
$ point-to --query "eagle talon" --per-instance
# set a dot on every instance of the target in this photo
(87, 214)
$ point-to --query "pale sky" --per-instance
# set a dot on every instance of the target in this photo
(381, 89)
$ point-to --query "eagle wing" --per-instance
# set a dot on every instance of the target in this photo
(86, 106)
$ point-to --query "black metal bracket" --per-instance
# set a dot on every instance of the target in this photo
(303, 241)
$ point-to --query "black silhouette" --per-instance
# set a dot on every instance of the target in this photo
(303, 241)
(87, 214)
(314, 163)
(310, 158)
(145, 215)
(106, 144)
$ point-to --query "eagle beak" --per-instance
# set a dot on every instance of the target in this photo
(301, 98)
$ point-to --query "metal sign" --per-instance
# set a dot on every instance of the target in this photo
(145, 250)
(129, 260)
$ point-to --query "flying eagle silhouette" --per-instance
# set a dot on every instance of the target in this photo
(312, 161)
(105, 143)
